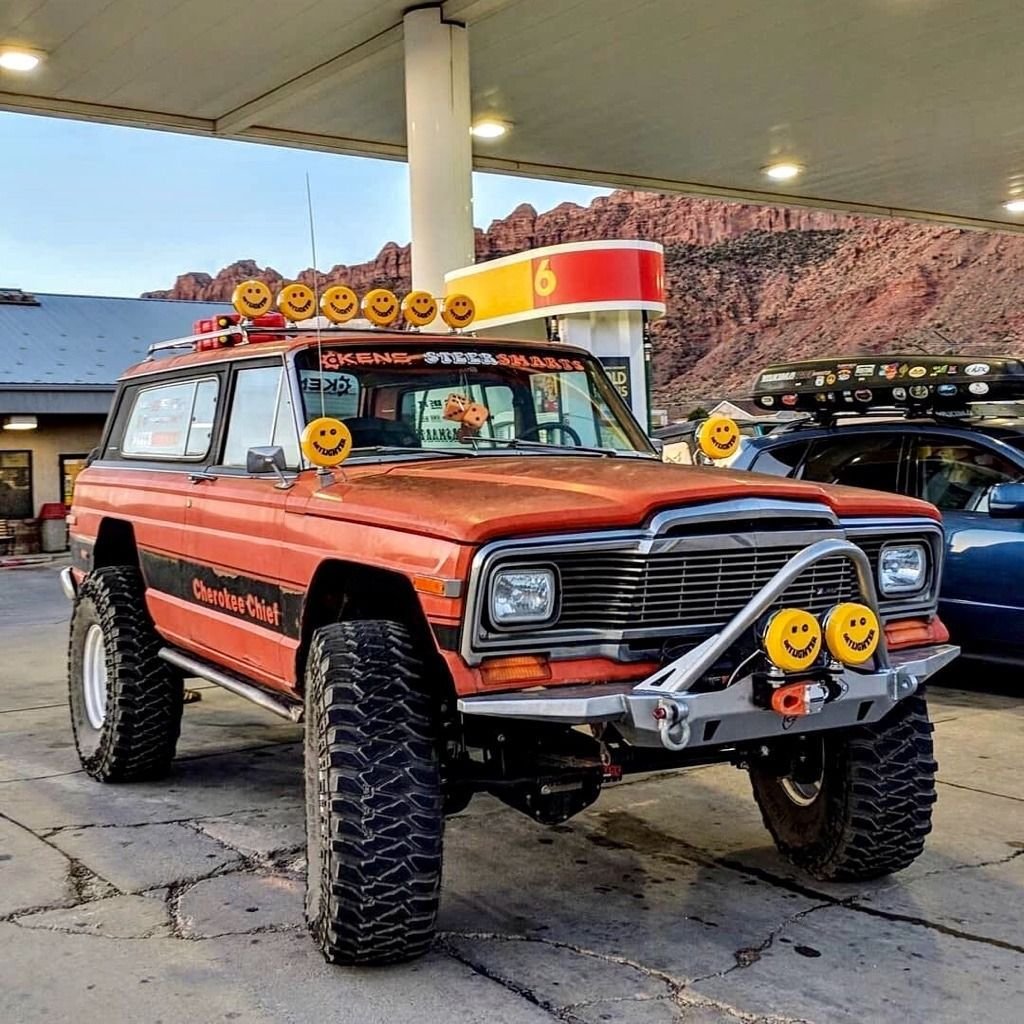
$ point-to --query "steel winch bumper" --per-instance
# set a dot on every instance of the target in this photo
(661, 712)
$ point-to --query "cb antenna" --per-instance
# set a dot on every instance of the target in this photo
(316, 296)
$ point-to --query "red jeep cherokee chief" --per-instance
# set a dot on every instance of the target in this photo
(461, 564)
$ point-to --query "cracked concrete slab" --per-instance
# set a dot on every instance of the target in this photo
(146, 856)
(32, 873)
(663, 902)
(239, 904)
(836, 967)
(115, 917)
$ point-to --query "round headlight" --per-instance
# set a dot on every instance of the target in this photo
(522, 596)
(902, 569)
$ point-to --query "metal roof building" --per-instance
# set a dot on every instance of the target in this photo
(62, 353)
(59, 358)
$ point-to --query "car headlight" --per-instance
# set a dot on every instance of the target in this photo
(902, 569)
(521, 596)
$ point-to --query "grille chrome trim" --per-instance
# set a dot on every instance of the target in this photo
(615, 568)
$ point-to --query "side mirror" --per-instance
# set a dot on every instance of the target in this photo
(265, 459)
(1006, 501)
(268, 459)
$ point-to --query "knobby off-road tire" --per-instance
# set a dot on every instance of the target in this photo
(130, 729)
(874, 805)
(374, 805)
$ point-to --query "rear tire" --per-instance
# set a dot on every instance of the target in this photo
(872, 808)
(374, 805)
(125, 701)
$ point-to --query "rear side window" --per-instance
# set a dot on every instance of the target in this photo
(857, 461)
(781, 460)
(172, 421)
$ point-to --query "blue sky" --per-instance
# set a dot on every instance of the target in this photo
(101, 210)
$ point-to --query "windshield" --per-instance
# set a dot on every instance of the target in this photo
(462, 398)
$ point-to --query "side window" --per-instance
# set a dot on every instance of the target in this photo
(857, 460)
(261, 414)
(171, 421)
(781, 460)
(954, 475)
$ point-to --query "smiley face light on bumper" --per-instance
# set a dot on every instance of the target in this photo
(251, 298)
(296, 302)
(718, 437)
(852, 632)
(339, 304)
(326, 442)
(380, 307)
(792, 639)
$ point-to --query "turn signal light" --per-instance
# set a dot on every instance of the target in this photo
(519, 669)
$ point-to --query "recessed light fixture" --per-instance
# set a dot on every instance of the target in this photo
(489, 128)
(1014, 205)
(15, 58)
(20, 423)
(784, 170)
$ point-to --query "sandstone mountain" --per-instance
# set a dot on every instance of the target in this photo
(749, 285)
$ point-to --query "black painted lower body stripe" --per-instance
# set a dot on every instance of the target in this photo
(254, 600)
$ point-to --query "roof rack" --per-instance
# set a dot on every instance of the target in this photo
(941, 387)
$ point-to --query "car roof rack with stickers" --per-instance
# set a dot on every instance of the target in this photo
(943, 387)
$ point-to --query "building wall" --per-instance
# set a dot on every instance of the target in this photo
(55, 436)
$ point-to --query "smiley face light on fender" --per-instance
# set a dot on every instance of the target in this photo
(852, 632)
(326, 442)
(792, 639)
(380, 307)
(718, 437)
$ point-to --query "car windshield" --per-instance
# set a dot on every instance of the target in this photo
(466, 399)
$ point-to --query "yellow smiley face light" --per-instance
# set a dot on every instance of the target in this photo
(339, 304)
(459, 311)
(419, 308)
(718, 437)
(251, 299)
(326, 442)
(296, 302)
(792, 639)
(380, 307)
(852, 632)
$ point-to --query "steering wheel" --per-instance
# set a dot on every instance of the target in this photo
(537, 428)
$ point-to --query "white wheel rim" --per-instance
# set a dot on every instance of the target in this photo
(801, 793)
(94, 677)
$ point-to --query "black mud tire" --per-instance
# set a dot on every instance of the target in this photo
(142, 719)
(873, 808)
(374, 802)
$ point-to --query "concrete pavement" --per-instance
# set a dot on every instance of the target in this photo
(182, 901)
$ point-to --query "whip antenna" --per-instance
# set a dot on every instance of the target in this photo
(316, 296)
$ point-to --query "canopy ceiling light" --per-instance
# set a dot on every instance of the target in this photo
(17, 58)
(489, 128)
(1014, 205)
(784, 170)
(20, 423)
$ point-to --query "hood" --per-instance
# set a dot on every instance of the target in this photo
(479, 498)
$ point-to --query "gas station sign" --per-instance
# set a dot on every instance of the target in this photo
(577, 277)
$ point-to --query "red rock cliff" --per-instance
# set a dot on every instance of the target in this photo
(748, 285)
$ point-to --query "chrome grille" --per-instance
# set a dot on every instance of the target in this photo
(630, 591)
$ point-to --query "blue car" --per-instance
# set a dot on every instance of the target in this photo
(968, 465)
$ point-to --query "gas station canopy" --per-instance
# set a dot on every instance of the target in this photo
(910, 107)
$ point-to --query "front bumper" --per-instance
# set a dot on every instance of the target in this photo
(661, 712)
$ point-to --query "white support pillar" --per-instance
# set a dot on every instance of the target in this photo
(437, 115)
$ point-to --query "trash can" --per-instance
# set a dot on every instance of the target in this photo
(53, 526)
